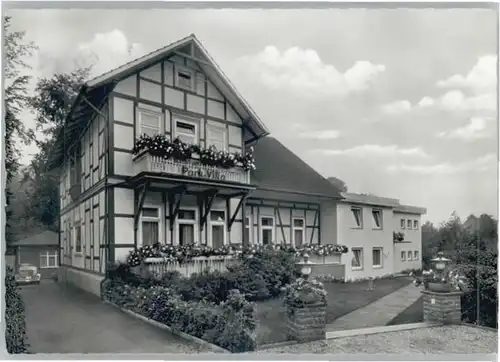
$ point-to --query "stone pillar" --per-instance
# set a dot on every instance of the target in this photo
(442, 307)
(306, 323)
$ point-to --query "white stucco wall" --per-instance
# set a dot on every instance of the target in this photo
(412, 242)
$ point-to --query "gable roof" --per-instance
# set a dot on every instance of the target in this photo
(95, 90)
(43, 238)
(279, 171)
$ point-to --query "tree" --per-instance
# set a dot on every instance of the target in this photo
(341, 185)
(16, 94)
(51, 103)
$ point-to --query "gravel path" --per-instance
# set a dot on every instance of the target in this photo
(457, 339)
(67, 320)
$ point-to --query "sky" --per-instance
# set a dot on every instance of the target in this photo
(400, 103)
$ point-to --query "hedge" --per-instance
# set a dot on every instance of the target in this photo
(15, 319)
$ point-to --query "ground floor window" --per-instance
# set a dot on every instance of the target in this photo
(186, 227)
(298, 231)
(246, 230)
(357, 258)
(266, 229)
(217, 231)
(415, 255)
(49, 259)
(150, 225)
(410, 256)
(78, 239)
(377, 257)
(403, 255)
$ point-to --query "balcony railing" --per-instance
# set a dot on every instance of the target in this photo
(145, 162)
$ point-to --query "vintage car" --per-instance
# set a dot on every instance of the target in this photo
(27, 274)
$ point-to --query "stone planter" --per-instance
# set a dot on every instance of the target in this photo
(439, 287)
(307, 322)
(442, 307)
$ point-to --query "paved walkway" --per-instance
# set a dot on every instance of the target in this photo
(67, 320)
(378, 313)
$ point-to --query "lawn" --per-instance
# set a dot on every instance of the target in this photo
(413, 314)
(343, 298)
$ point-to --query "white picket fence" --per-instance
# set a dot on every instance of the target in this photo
(157, 267)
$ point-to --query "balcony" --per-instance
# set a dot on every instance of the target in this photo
(145, 162)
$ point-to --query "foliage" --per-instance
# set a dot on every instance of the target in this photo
(303, 292)
(16, 52)
(15, 320)
(398, 237)
(230, 324)
(341, 185)
(160, 145)
(181, 254)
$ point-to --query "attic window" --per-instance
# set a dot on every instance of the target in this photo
(184, 78)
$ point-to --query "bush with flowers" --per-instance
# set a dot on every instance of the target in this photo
(305, 292)
(398, 236)
(160, 145)
(451, 280)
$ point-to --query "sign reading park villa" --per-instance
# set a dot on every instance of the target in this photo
(199, 171)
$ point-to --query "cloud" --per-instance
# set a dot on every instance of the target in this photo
(375, 150)
(482, 78)
(426, 102)
(456, 101)
(475, 129)
(480, 164)
(327, 134)
(397, 107)
(303, 71)
(107, 51)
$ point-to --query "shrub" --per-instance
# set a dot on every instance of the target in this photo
(15, 320)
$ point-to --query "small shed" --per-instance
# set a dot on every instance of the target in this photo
(40, 249)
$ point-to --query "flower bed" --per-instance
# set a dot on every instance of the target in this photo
(229, 324)
(15, 319)
(303, 292)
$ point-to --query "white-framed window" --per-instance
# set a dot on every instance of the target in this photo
(408, 224)
(403, 256)
(403, 223)
(184, 78)
(299, 231)
(416, 255)
(247, 228)
(266, 229)
(357, 216)
(410, 256)
(377, 219)
(186, 226)
(415, 224)
(377, 257)
(186, 129)
(49, 259)
(217, 136)
(78, 239)
(151, 225)
(217, 230)
(357, 258)
(149, 122)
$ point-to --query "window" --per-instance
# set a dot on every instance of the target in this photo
(415, 224)
(186, 131)
(49, 259)
(377, 257)
(408, 225)
(150, 225)
(217, 228)
(377, 219)
(186, 227)
(267, 229)
(357, 258)
(402, 223)
(415, 255)
(403, 255)
(78, 239)
(410, 256)
(356, 214)
(216, 136)
(149, 122)
(184, 78)
(298, 231)
(246, 230)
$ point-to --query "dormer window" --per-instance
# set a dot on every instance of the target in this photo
(184, 78)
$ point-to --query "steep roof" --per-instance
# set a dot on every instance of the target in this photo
(95, 91)
(43, 238)
(279, 171)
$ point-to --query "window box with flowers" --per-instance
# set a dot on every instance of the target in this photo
(159, 154)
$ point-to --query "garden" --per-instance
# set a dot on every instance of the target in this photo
(240, 308)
